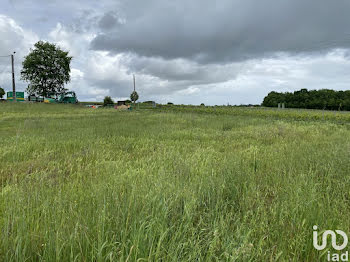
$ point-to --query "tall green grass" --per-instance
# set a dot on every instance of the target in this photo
(80, 184)
(264, 112)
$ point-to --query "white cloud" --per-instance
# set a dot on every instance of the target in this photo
(14, 38)
(77, 43)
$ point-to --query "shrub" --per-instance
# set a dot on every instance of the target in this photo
(2, 92)
(108, 101)
(134, 96)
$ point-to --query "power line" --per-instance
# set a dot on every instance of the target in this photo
(5, 55)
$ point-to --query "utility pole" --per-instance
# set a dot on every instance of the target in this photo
(134, 90)
(13, 78)
(134, 84)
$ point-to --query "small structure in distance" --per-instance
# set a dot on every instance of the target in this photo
(122, 105)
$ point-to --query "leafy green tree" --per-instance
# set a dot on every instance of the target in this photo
(108, 101)
(134, 96)
(47, 69)
(2, 92)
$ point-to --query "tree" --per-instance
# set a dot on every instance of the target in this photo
(108, 101)
(47, 69)
(273, 98)
(2, 92)
(134, 96)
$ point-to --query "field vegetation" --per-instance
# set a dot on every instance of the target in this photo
(170, 184)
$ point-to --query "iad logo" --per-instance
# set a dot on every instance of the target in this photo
(335, 256)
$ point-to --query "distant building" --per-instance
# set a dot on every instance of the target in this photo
(121, 103)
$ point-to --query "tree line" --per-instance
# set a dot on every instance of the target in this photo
(314, 99)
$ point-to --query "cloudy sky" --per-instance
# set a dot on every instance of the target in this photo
(215, 52)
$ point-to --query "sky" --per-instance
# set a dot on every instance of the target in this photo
(186, 52)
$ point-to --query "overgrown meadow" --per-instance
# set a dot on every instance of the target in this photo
(170, 184)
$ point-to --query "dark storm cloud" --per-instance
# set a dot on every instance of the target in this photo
(181, 70)
(108, 21)
(227, 30)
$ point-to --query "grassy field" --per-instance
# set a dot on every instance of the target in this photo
(173, 184)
